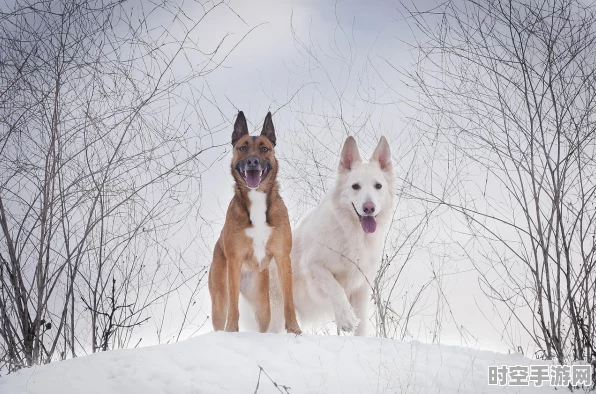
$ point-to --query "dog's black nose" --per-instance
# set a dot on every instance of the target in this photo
(252, 162)
(368, 207)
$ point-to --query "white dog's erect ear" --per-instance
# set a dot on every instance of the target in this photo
(382, 154)
(349, 155)
(240, 128)
(268, 129)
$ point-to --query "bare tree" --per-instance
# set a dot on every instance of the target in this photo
(506, 92)
(101, 132)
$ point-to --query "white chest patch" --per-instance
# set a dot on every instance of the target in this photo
(260, 231)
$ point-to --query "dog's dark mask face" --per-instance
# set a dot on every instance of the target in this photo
(254, 158)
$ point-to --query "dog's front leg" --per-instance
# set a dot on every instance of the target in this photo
(345, 318)
(218, 288)
(360, 300)
(284, 270)
(234, 276)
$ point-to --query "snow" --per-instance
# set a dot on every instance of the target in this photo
(229, 363)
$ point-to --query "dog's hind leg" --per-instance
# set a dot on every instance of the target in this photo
(262, 307)
(276, 302)
(255, 289)
(218, 288)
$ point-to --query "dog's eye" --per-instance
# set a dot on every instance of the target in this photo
(264, 149)
(242, 148)
(356, 186)
(378, 186)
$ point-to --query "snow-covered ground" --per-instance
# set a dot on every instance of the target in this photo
(229, 363)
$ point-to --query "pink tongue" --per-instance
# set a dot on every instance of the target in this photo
(253, 178)
(369, 224)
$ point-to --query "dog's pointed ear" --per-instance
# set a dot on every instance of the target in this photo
(349, 155)
(240, 128)
(268, 129)
(382, 154)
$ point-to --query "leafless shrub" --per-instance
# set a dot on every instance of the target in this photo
(99, 162)
(506, 89)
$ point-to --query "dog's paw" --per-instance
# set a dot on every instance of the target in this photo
(347, 321)
(293, 329)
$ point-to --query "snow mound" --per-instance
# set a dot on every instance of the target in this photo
(230, 363)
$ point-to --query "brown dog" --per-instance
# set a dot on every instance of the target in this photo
(256, 230)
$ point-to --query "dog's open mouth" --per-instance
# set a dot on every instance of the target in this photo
(253, 178)
(368, 222)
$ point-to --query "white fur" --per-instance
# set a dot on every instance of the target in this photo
(260, 231)
(334, 261)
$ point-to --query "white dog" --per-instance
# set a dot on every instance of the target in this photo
(336, 249)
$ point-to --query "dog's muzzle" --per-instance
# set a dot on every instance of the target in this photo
(368, 222)
(253, 171)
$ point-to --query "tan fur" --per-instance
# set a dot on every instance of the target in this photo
(234, 248)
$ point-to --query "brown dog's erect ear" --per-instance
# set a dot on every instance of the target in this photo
(349, 155)
(382, 154)
(268, 129)
(240, 128)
